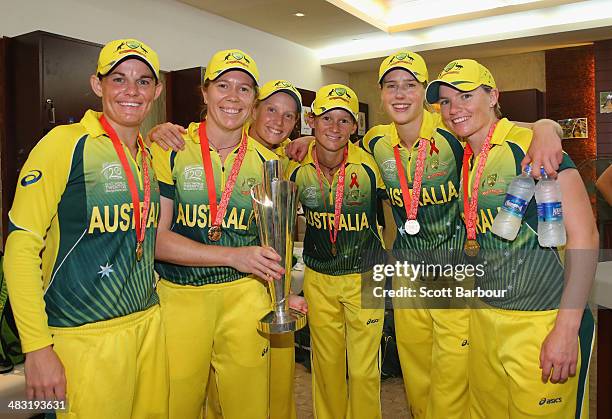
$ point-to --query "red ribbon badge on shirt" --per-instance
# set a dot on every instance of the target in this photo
(433, 148)
(354, 182)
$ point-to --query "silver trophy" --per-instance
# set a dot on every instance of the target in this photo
(275, 204)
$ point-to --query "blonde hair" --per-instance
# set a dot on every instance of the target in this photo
(497, 107)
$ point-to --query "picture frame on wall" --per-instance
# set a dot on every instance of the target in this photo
(605, 102)
(574, 128)
(304, 127)
(361, 123)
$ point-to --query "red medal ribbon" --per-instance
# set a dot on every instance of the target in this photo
(140, 220)
(411, 202)
(333, 237)
(217, 214)
(354, 181)
(470, 206)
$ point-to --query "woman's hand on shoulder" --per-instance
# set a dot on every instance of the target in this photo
(298, 148)
(167, 135)
(545, 149)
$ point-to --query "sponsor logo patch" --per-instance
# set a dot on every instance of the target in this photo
(389, 169)
(33, 176)
(543, 401)
(115, 180)
(193, 178)
(310, 196)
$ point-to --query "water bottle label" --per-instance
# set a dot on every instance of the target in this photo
(515, 205)
(550, 211)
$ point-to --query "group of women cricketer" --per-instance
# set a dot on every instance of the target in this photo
(80, 261)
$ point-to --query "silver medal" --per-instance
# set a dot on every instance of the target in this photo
(412, 227)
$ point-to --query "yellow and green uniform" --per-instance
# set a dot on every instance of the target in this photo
(507, 334)
(211, 313)
(358, 233)
(71, 267)
(432, 343)
(340, 327)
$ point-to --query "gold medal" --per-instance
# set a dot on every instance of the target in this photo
(214, 233)
(139, 251)
(471, 248)
(334, 251)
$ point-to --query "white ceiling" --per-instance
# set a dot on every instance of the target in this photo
(352, 35)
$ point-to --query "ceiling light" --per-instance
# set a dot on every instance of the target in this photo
(299, 14)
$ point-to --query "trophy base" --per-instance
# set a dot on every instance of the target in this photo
(277, 322)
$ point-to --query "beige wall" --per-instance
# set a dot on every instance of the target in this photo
(183, 36)
(512, 72)
(366, 86)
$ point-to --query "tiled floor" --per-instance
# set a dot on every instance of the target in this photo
(392, 396)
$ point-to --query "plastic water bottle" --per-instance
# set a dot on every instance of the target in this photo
(551, 231)
(507, 223)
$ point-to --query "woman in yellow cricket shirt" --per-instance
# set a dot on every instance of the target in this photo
(338, 187)
(79, 260)
(276, 112)
(208, 252)
(530, 344)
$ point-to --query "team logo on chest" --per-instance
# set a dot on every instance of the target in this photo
(389, 170)
(493, 184)
(247, 184)
(114, 179)
(435, 168)
(193, 178)
(310, 196)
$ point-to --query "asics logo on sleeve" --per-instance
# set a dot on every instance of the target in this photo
(33, 176)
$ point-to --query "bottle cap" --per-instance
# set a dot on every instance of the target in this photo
(527, 170)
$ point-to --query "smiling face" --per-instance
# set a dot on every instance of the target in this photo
(468, 114)
(229, 99)
(333, 129)
(127, 93)
(402, 96)
(274, 119)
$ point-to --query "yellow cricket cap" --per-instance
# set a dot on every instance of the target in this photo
(464, 75)
(231, 59)
(336, 96)
(407, 60)
(284, 86)
(115, 52)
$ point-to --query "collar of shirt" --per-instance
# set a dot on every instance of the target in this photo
(428, 128)
(352, 157)
(192, 134)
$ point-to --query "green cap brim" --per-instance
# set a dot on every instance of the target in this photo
(290, 93)
(432, 94)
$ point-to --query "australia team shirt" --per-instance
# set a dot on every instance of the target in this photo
(74, 209)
